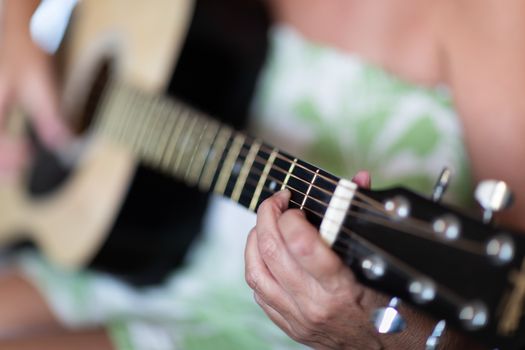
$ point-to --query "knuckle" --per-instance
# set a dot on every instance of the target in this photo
(302, 245)
(302, 334)
(264, 206)
(268, 247)
(300, 240)
(317, 315)
(253, 279)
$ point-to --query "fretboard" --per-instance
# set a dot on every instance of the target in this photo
(169, 136)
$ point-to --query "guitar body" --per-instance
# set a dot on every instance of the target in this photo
(111, 213)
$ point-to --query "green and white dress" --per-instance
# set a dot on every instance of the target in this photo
(331, 109)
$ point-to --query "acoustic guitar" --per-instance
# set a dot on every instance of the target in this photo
(465, 271)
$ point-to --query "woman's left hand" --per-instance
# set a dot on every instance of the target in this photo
(302, 285)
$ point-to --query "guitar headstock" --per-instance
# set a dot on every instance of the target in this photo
(466, 271)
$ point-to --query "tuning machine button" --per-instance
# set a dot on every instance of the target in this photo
(500, 249)
(398, 207)
(373, 267)
(474, 315)
(388, 319)
(422, 290)
(492, 196)
(441, 184)
(447, 227)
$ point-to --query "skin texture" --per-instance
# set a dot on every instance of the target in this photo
(306, 290)
(27, 80)
(26, 322)
(477, 49)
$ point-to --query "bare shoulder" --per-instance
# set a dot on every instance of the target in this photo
(484, 48)
(483, 33)
(483, 45)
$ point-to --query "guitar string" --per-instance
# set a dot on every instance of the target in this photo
(265, 148)
(415, 223)
(440, 289)
(155, 100)
(347, 233)
(346, 241)
(458, 244)
(364, 197)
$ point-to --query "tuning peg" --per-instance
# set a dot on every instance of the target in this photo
(492, 196)
(441, 184)
(433, 340)
(388, 319)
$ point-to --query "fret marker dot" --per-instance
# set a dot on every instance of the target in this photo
(273, 186)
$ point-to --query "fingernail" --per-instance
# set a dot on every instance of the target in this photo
(283, 194)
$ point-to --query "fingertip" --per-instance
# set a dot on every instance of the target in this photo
(283, 197)
(362, 178)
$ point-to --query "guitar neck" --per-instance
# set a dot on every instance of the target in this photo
(169, 136)
(391, 239)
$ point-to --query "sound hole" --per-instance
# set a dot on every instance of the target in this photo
(47, 171)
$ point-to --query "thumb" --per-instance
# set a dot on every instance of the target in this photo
(282, 198)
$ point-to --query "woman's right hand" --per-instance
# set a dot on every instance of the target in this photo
(27, 81)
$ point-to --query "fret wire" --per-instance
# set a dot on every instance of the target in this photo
(127, 119)
(152, 140)
(472, 247)
(128, 124)
(216, 152)
(203, 151)
(196, 148)
(162, 132)
(181, 116)
(101, 122)
(184, 141)
(280, 156)
(141, 119)
(135, 129)
(262, 179)
(248, 162)
(292, 166)
(347, 237)
(148, 122)
(145, 123)
(109, 113)
(229, 162)
(121, 115)
(194, 142)
(460, 244)
(171, 122)
(309, 189)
